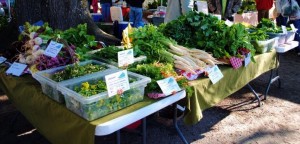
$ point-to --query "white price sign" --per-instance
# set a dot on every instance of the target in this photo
(168, 85)
(16, 69)
(247, 59)
(2, 59)
(214, 74)
(53, 49)
(117, 83)
(125, 57)
(293, 28)
(228, 23)
(284, 29)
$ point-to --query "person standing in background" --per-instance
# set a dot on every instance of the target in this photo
(263, 7)
(225, 8)
(136, 12)
(176, 8)
(291, 9)
(105, 9)
(95, 6)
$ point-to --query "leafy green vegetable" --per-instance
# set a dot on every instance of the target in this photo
(88, 89)
(158, 71)
(146, 40)
(76, 71)
(247, 5)
(206, 32)
(109, 53)
(258, 35)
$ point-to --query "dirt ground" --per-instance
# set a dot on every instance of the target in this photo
(236, 120)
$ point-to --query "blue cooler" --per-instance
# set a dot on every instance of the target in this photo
(97, 17)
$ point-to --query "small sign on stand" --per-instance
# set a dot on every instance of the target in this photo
(247, 59)
(53, 49)
(125, 58)
(214, 74)
(117, 83)
(2, 59)
(16, 69)
(168, 86)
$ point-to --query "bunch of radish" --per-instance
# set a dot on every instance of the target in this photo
(32, 49)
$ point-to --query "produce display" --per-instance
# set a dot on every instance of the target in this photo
(97, 109)
(33, 41)
(76, 71)
(89, 99)
(247, 6)
(206, 32)
(158, 71)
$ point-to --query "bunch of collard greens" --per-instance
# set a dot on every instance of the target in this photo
(208, 33)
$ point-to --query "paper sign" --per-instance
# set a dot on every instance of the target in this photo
(218, 16)
(202, 6)
(168, 85)
(2, 59)
(284, 29)
(117, 83)
(125, 57)
(247, 59)
(293, 28)
(16, 69)
(228, 23)
(53, 49)
(214, 74)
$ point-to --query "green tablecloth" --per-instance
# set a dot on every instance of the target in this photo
(61, 126)
(207, 95)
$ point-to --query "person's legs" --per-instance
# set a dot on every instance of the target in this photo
(259, 15)
(262, 14)
(132, 15)
(139, 18)
(105, 10)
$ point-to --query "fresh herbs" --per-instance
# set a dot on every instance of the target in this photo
(76, 71)
(88, 89)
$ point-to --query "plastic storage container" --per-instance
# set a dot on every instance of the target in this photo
(49, 86)
(265, 46)
(290, 36)
(281, 37)
(99, 105)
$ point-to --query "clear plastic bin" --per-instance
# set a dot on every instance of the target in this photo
(99, 105)
(290, 36)
(265, 46)
(49, 86)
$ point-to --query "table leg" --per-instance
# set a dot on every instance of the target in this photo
(144, 140)
(118, 137)
(254, 92)
(176, 124)
(275, 78)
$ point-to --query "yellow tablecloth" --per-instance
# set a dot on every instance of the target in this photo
(61, 126)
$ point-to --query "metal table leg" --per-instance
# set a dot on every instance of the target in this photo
(275, 77)
(254, 92)
(118, 137)
(144, 131)
(176, 124)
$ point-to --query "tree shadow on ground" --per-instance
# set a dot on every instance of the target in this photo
(262, 134)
